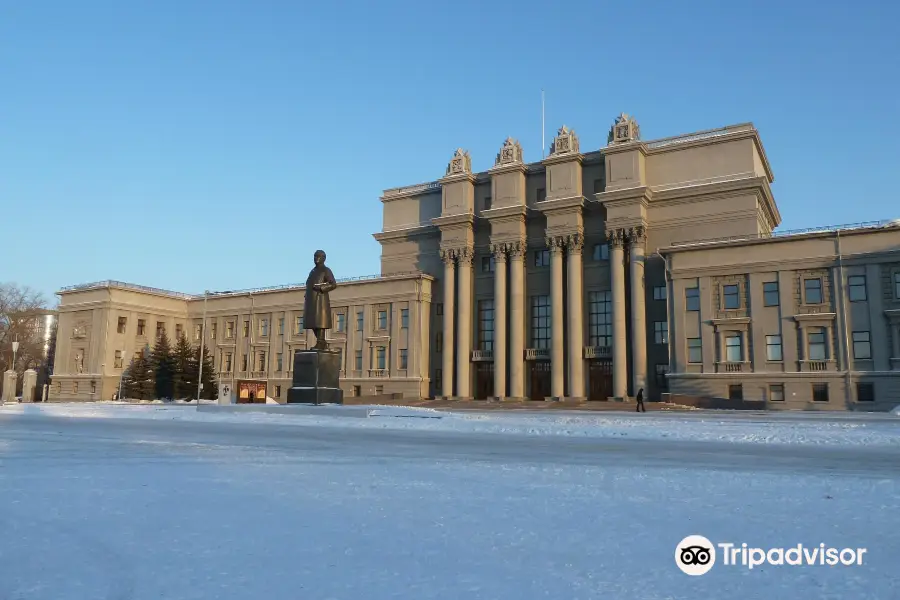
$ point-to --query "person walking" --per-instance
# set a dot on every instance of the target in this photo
(640, 401)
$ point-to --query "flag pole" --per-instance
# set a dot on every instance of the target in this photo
(542, 124)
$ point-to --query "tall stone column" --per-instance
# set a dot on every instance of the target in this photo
(499, 251)
(517, 254)
(617, 277)
(637, 237)
(557, 349)
(829, 341)
(575, 283)
(449, 258)
(464, 344)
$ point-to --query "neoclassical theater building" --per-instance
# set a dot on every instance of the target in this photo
(650, 265)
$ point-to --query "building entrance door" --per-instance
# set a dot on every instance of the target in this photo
(484, 380)
(540, 379)
(600, 379)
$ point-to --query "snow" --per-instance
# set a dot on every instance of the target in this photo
(163, 501)
(863, 429)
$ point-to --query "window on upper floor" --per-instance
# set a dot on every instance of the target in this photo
(117, 364)
(541, 258)
(486, 325)
(692, 299)
(599, 319)
(281, 326)
(731, 296)
(770, 293)
(540, 322)
(341, 322)
(404, 358)
(487, 264)
(404, 318)
(439, 309)
(733, 347)
(856, 288)
(381, 320)
(812, 291)
(246, 330)
(487, 203)
(229, 330)
(695, 350)
(298, 325)
(773, 348)
(263, 328)
(142, 327)
(279, 361)
(598, 186)
(213, 329)
(600, 252)
(438, 342)
(862, 345)
(178, 331)
(661, 332)
(358, 360)
(815, 342)
(380, 358)
(897, 285)
(360, 320)
(123, 321)
(659, 292)
(541, 194)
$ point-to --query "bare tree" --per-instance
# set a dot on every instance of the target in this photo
(22, 310)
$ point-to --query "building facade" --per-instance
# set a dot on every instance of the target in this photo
(563, 279)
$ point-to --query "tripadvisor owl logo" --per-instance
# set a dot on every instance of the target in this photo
(695, 555)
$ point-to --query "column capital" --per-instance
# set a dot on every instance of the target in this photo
(616, 238)
(574, 243)
(556, 243)
(637, 236)
(517, 250)
(465, 256)
(499, 251)
(448, 255)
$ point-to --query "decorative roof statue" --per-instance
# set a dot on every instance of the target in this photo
(460, 163)
(625, 129)
(565, 142)
(510, 153)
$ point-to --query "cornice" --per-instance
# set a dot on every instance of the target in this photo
(452, 220)
(619, 148)
(457, 178)
(623, 197)
(505, 213)
(555, 159)
(813, 317)
(403, 234)
(560, 204)
(508, 168)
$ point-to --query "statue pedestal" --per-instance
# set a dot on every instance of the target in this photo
(316, 378)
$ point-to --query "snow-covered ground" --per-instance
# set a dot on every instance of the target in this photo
(165, 502)
(864, 429)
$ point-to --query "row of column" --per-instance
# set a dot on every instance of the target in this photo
(458, 272)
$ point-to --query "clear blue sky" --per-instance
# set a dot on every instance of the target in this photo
(216, 143)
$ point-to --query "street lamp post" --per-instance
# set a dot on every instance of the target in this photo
(121, 376)
(15, 346)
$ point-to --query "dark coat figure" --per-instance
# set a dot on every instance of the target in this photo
(640, 401)
(317, 305)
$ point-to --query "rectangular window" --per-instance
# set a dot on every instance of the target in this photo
(897, 285)
(341, 322)
(773, 348)
(438, 379)
(123, 321)
(261, 361)
(244, 362)
(404, 318)
(298, 325)
(731, 298)
(360, 320)
(695, 350)
(487, 203)
(812, 291)
(142, 326)
(541, 258)
(382, 319)
(380, 358)
(278, 391)
(213, 329)
(862, 346)
(659, 292)
(820, 392)
(228, 362)
(263, 328)
(246, 331)
(600, 319)
(598, 186)
(600, 252)
(359, 361)
(661, 332)
(736, 391)
(776, 392)
(279, 362)
(733, 348)
(816, 343)
(865, 392)
(198, 331)
(439, 342)
(281, 326)
(856, 285)
(541, 194)
(357, 390)
(379, 390)
(160, 328)
(118, 360)
(486, 325)
(540, 322)
(403, 358)
(770, 293)
(692, 299)
(662, 382)
(178, 331)
(487, 264)
(229, 330)
(439, 309)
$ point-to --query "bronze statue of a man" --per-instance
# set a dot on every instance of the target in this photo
(316, 305)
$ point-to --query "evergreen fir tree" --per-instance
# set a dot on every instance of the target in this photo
(138, 382)
(185, 370)
(163, 364)
(210, 385)
(128, 383)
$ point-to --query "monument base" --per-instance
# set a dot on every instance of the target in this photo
(316, 378)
